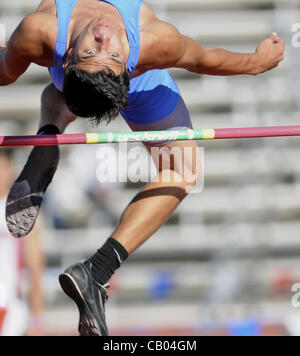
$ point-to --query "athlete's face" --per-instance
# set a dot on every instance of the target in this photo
(100, 47)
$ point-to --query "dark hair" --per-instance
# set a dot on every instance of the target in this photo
(99, 96)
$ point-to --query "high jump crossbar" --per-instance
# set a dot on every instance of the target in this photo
(151, 136)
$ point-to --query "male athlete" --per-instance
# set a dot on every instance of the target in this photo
(105, 58)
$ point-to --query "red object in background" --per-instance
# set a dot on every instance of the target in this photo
(2, 317)
(282, 281)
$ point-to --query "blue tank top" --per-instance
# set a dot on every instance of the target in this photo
(153, 95)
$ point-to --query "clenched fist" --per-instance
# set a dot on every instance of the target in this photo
(269, 53)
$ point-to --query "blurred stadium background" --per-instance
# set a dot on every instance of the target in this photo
(235, 248)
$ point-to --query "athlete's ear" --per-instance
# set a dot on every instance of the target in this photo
(69, 58)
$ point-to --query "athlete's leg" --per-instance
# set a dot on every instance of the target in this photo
(154, 205)
(179, 169)
(26, 195)
(54, 111)
(85, 282)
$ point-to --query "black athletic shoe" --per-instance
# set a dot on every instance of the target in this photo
(77, 282)
(26, 195)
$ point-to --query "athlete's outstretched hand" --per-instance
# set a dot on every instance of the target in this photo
(270, 53)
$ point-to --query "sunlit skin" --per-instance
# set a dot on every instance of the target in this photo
(101, 46)
(97, 30)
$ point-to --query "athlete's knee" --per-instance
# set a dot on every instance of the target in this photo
(182, 158)
(49, 95)
(194, 171)
(192, 176)
(54, 107)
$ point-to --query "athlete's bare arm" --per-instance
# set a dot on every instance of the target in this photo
(165, 47)
(26, 46)
(162, 46)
